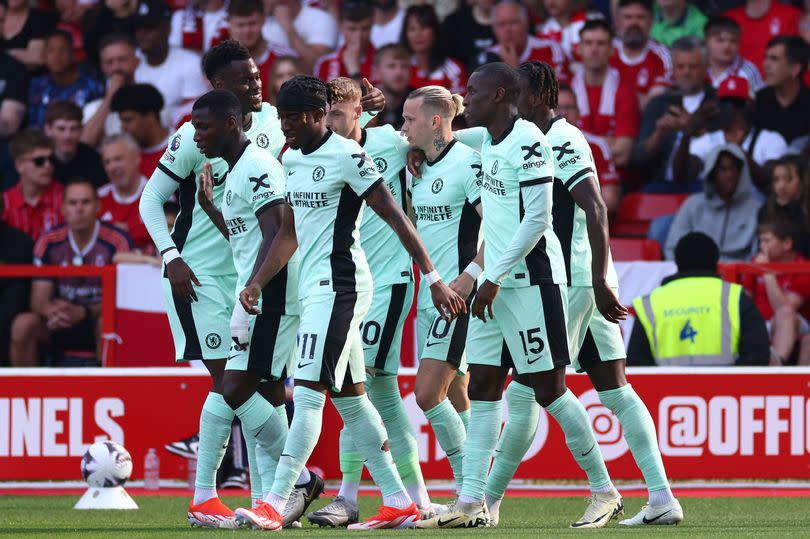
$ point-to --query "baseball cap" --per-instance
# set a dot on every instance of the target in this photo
(151, 13)
(734, 87)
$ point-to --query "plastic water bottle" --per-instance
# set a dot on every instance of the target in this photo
(151, 470)
(192, 472)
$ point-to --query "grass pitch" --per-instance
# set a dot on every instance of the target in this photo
(53, 516)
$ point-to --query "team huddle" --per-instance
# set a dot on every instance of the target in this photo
(302, 268)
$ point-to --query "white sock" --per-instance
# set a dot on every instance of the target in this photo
(400, 500)
(601, 490)
(492, 503)
(203, 494)
(661, 497)
(468, 499)
(349, 491)
(277, 502)
(419, 494)
(303, 478)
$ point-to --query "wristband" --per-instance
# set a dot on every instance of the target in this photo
(170, 255)
(473, 270)
(432, 278)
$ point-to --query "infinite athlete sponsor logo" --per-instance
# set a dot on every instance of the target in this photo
(228, 197)
(175, 145)
(318, 173)
(236, 226)
(494, 186)
(212, 341)
(259, 182)
(495, 167)
(382, 164)
(307, 199)
(437, 185)
(262, 140)
(433, 213)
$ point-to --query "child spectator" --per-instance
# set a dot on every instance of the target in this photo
(430, 65)
(285, 68)
(762, 20)
(723, 46)
(790, 197)
(355, 58)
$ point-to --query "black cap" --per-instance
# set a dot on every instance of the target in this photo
(151, 13)
(696, 252)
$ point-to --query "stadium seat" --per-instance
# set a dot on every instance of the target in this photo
(638, 209)
(629, 249)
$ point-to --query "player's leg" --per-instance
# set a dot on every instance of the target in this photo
(459, 397)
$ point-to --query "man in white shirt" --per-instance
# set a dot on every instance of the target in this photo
(175, 72)
(311, 32)
(388, 20)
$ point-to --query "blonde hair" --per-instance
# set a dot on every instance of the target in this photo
(439, 100)
(343, 89)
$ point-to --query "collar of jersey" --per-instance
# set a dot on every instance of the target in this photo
(239, 155)
(321, 143)
(558, 117)
(363, 134)
(507, 132)
(441, 155)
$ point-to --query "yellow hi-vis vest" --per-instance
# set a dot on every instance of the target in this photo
(692, 321)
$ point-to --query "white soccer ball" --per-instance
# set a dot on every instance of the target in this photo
(106, 464)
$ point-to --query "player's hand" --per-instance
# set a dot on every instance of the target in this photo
(205, 194)
(240, 328)
(463, 285)
(415, 159)
(482, 303)
(181, 278)
(448, 303)
(607, 303)
(249, 298)
(374, 100)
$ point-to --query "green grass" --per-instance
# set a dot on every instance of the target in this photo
(53, 516)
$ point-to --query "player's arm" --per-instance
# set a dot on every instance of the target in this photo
(278, 245)
(205, 198)
(588, 197)
(463, 284)
(379, 198)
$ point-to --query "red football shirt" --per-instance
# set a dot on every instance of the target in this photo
(603, 159)
(795, 283)
(780, 19)
(331, 66)
(542, 50)
(37, 219)
(652, 68)
(150, 158)
(609, 110)
(123, 212)
(451, 74)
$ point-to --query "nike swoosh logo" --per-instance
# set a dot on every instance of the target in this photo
(231, 357)
(290, 173)
(305, 365)
(367, 348)
(585, 454)
(650, 521)
(597, 519)
(446, 522)
(530, 361)
(428, 345)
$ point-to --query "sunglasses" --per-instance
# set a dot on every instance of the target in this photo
(42, 159)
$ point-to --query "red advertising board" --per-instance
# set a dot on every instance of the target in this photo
(712, 422)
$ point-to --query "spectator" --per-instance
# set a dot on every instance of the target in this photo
(73, 159)
(245, 19)
(780, 105)
(694, 318)
(393, 66)
(675, 19)
(469, 33)
(170, 211)
(355, 58)
(761, 21)
(607, 104)
(733, 126)
(285, 68)
(138, 106)
(430, 65)
(514, 45)
(667, 116)
(66, 311)
(388, 19)
(107, 17)
(563, 25)
(24, 31)
(790, 197)
(641, 61)
(200, 25)
(118, 64)
(33, 204)
(602, 158)
(723, 45)
(64, 80)
(70, 13)
(725, 209)
(175, 72)
(310, 31)
(14, 292)
(119, 199)
(781, 297)
(13, 87)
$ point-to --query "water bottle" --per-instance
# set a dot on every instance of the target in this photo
(151, 470)
(192, 472)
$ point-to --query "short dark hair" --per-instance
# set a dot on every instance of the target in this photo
(395, 49)
(221, 102)
(646, 4)
(115, 39)
(504, 76)
(425, 15)
(27, 140)
(221, 55)
(356, 10)
(796, 50)
(596, 24)
(696, 252)
(63, 110)
(80, 180)
(720, 23)
(245, 8)
(308, 86)
(142, 98)
(782, 226)
(58, 32)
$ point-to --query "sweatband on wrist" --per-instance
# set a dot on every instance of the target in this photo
(473, 270)
(170, 255)
(432, 278)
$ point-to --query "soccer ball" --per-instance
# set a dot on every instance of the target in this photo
(106, 464)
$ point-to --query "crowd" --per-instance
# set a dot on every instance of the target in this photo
(671, 97)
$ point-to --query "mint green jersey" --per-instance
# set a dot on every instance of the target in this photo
(254, 185)
(199, 242)
(522, 157)
(326, 189)
(390, 263)
(444, 201)
(573, 164)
